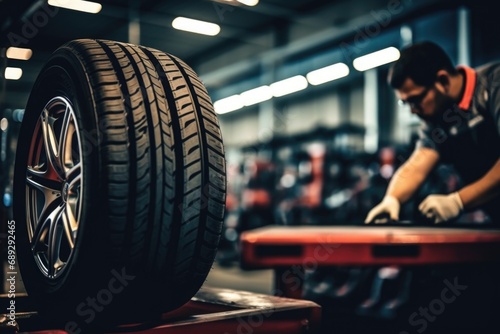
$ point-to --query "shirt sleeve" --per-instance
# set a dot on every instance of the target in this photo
(429, 137)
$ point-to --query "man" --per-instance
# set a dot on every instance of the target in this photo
(460, 112)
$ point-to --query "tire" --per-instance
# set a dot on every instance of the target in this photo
(119, 184)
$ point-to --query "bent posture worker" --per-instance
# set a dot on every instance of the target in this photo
(460, 112)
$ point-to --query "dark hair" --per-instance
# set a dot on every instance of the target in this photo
(420, 62)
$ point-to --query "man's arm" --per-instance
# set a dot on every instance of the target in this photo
(483, 190)
(410, 176)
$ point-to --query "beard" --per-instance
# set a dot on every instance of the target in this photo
(443, 105)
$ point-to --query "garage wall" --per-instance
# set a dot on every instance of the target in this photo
(338, 105)
(303, 116)
(356, 105)
(240, 129)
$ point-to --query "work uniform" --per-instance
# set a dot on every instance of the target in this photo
(468, 134)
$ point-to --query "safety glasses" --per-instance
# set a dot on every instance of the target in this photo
(415, 100)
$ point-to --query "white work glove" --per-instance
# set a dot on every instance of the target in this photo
(441, 208)
(389, 204)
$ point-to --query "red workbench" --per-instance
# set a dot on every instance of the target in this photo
(299, 247)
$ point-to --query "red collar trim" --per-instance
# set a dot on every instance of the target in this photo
(470, 85)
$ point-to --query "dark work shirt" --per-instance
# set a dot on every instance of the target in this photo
(468, 134)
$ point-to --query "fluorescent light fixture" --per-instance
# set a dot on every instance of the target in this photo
(19, 53)
(228, 104)
(375, 59)
(79, 5)
(250, 3)
(4, 124)
(328, 73)
(13, 73)
(288, 86)
(196, 26)
(256, 95)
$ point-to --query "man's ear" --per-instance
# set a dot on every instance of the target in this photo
(443, 78)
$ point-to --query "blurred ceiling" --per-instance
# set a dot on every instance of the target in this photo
(36, 25)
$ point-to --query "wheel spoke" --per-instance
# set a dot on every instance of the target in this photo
(37, 179)
(66, 139)
(54, 242)
(70, 225)
(74, 175)
(50, 142)
(51, 191)
(44, 224)
(73, 202)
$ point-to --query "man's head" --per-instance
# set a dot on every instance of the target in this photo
(425, 78)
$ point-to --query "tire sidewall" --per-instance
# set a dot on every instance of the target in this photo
(63, 76)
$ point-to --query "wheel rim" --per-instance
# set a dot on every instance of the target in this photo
(54, 187)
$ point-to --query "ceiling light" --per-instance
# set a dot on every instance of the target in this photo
(228, 104)
(79, 5)
(13, 73)
(249, 2)
(288, 86)
(4, 124)
(256, 95)
(375, 59)
(19, 53)
(328, 73)
(196, 26)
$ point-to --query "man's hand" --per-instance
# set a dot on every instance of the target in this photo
(389, 205)
(441, 208)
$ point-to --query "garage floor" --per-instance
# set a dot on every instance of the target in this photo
(232, 277)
